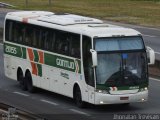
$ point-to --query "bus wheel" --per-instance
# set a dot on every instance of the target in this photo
(78, 98)
(21, 80)
(28, 78)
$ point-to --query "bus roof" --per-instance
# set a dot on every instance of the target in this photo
(71, 23)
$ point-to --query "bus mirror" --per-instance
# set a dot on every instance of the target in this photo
(150, 55)
(94, 57)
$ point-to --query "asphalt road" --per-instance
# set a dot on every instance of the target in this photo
(56, 107)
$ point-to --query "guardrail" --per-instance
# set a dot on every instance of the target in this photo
(5, 5)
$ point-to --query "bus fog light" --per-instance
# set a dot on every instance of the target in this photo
(100, 91)
(101, 102)
(145, 88)
(142, 99)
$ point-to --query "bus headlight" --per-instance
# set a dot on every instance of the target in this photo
(143, 89)
(102, 91)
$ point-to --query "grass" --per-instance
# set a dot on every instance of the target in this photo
(142, 12)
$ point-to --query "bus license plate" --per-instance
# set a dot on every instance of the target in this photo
(124, 98)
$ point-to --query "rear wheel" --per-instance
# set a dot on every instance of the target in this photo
(78, 98)
(30, 86)
(21, 80)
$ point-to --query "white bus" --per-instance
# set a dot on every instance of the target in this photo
(76, 56)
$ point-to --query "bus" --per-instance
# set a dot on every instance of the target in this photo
(76, 56)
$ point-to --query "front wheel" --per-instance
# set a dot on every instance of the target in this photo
(78, 98)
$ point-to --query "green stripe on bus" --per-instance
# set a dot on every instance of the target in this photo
(24, 52)
(73, 65)
(36, 56)
(39, 66)
(61, 62)
(12, 50)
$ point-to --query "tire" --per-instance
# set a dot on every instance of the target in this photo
(21, 80)
(30, 86)
(78, 98)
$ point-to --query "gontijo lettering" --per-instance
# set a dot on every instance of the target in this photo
(65, 63)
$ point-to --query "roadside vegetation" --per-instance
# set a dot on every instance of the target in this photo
(143, 12)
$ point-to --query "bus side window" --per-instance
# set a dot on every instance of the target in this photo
(40, 42)
(87, 61)
(8, 30)
(45, 39)
(66, 44)
(75, 46)
(36, 37)
(15, 32)
(28, 35)
(62, 43)
(20, 33)
(52, 41)
(57, 42)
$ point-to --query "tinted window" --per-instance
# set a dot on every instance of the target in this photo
(43, 38)
(75, 45)
(8, 31)
(68, 44)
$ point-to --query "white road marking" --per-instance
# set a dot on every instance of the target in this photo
(149, 35)
(154, 79)
(46, 101)
(19, 93)
(5, 4)
(79, 112)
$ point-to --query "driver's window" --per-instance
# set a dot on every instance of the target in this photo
(87, 61)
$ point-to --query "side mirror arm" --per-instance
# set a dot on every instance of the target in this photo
(94, 57)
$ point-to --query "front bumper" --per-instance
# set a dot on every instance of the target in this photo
(101, 98)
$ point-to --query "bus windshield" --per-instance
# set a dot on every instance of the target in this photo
(121, 61)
